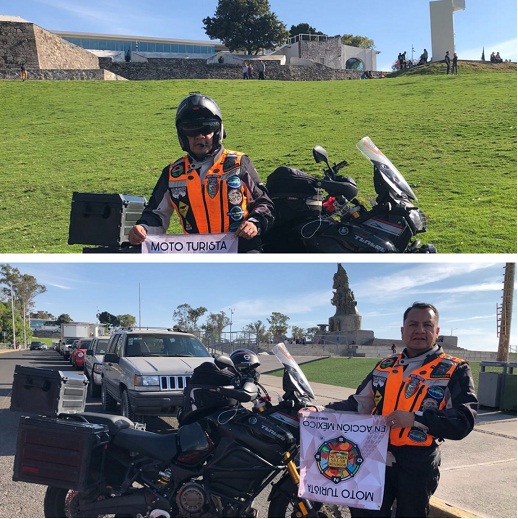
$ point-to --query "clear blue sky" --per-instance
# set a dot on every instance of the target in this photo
(465, 290)
(394, 25)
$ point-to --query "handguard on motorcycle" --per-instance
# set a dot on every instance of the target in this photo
(347, 189)
(243, 394)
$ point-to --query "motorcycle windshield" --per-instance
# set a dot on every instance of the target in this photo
(292, 369)
(390, 175)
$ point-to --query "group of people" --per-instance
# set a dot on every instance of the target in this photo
(451, 63)
(248, 70)
(496, 58)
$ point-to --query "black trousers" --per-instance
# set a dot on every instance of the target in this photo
(410, 485)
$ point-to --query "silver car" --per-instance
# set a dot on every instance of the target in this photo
(146, 371)
(94, 364)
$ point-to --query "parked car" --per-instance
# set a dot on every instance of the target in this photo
(37, 345)
(78, 352)
(94, 364)
(146, 371)
(68, 347)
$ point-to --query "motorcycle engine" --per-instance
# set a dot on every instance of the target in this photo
(192, 500)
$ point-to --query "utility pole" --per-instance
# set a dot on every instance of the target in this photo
(12, 312)
(504, 313)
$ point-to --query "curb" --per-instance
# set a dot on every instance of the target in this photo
(440, 508)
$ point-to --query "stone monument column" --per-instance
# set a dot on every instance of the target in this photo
(347, 317)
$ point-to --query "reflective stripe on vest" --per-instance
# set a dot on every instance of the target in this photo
(422, 388)
(219, 204)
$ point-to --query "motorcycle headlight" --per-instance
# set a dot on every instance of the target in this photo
(146, 382)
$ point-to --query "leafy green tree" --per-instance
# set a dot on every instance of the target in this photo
(64, 318)
(108, 319)
(358, 41)
(214, 326)
(303, 28)
(186, 317)
(278, 325)
(126, 320)
(259, 329)
(42, 314)
(245, 25)
(297, 332)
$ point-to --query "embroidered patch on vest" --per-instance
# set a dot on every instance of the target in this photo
(378, 381)
(230, 163)
(413, 385)
(178, 189)
(377, 398)
(430, 403)
(417, 436)
(236, 213)
(212, 185)
(441, 370)
(235, 197)
(436, 392)
(183, 209)
(176, 170)
(387, 363)
(234, 182)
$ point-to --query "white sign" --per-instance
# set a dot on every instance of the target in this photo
(342, 459)
(223, 243)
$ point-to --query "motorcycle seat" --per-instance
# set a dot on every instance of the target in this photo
(162, 447)
(114, 422)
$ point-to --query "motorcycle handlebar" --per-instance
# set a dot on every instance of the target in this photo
(348, 189)
(244, 394)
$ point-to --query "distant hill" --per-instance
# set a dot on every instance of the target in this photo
(465, 67)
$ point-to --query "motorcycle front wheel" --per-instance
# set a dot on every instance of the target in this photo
(62, 502)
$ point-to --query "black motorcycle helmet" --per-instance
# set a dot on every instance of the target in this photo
(195, 112)
(247, 363)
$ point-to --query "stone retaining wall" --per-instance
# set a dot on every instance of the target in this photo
(61, 74)
(157, 68)
(23, 42)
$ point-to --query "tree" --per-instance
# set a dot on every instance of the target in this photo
(108, 319)
(23, 289)
(358, 41)
(259, 329)
(297, 332)
(64, 318)
(214, 326)
(278, 325)
(187, 317)
(126, 320)
(245, 25)
(303, 28)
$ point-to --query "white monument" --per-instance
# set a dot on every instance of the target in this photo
(441, 25)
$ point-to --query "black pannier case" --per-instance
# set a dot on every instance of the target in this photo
(60, 453)
(294, 193)
(103, 219)
(48, 392)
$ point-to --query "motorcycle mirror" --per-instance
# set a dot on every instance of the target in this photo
(320, 154)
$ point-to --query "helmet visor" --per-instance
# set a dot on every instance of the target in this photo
(194, 127)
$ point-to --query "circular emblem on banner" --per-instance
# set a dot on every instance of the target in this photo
(234, 182)
(236, 213)
(338, 459)
(235, 197)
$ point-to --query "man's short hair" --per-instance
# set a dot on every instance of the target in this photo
(421, 306)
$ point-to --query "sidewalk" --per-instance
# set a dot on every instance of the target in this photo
(478, 474)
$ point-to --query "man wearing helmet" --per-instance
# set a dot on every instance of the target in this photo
(212, 189)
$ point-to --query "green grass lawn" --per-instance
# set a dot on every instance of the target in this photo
(453, 138)
(344, 372)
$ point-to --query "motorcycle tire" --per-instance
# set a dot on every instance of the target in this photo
(285, 504)
(62, 502)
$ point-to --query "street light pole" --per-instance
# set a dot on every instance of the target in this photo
(231, 315)
(12, 313)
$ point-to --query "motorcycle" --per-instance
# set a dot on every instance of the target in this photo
(307, 222)
(231, 444)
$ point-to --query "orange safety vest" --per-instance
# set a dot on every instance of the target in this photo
(218, 204)
(423, 388)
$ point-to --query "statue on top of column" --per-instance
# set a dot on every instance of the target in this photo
(347, 317)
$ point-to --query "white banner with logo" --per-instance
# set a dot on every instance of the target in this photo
(222, 243)
(342, 459)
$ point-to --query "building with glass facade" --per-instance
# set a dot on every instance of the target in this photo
(146, 47)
